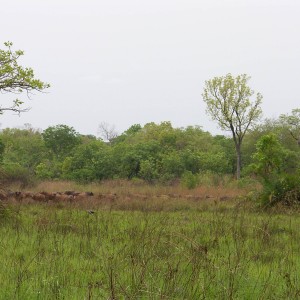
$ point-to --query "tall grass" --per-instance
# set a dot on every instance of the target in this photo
(123, 187)
(138, 248)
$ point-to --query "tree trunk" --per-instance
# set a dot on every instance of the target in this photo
(237, 142)
(238, 161)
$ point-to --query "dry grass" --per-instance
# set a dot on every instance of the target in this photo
(139, 196)
(124, 187)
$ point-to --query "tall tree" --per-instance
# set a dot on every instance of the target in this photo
(228, 101)
(16, 79)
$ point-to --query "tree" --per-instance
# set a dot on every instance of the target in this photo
(16, 79)
(24, 146)
(127, 134)
(89, 162)
(107, 132)
(228, 102)
(61, 139)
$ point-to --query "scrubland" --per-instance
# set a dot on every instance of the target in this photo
(137, 241)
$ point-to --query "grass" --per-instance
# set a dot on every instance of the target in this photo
(132, 247)
(139, 186)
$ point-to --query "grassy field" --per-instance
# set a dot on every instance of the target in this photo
(148, 243)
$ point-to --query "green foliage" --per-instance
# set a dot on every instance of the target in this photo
(61, 140)
(269, 157)
(133, 129)
(130, 156)
(15, 173)
(191, 161)
(127, 134)
(49, 169)
(23, 151)
(15, 78)
(2, 148)
(284, 189)
(24, 146)
(270, 165)
(215, 162)
(89, 162)
(228, 101)
(148, 170)
(225, 145)
(281, 131)
(45, 170)
(189, 180)
(292, 122)
(156, 152)
(172, 165)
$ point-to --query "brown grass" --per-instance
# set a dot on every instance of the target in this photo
(124, 187)
(131, 195)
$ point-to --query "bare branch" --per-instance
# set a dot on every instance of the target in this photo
(107, 132)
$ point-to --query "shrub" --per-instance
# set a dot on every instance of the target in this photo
(14, 172)
(83, 175)
(148, 170)
(284, 189)
(270, 166)
(189, 180)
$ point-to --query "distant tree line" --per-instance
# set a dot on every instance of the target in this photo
(153, 152)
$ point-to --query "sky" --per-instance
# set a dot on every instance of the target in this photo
(126, 62)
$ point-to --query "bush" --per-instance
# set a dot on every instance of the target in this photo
(44, 171)
(148, 170)
(284, 189)
(13, 172)
(270, 161)
(83, 175)
(189, 180)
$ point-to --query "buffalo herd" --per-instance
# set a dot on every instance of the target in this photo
(67, 196)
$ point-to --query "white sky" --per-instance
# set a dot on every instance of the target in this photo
(135, 61)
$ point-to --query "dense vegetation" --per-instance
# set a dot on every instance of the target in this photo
(142, 249)
(155, 152)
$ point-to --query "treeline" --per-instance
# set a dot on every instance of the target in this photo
(154, 153)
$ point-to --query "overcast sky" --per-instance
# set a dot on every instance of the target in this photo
(135, 61)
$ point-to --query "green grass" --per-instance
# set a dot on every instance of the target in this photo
(203, 251)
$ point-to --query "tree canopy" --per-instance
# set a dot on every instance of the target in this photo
(61, 139)
(228, 101)
(16, 79)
